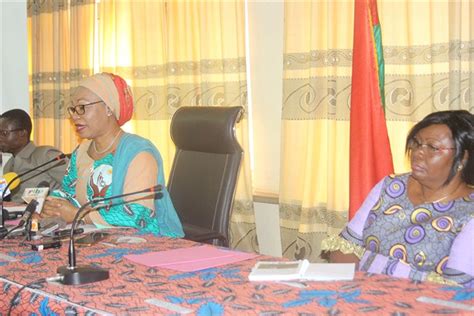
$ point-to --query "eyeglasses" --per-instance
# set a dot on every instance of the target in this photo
(7, 132)
(427, 148)
(80, 109)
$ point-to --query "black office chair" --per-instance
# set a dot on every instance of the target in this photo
(205, 169)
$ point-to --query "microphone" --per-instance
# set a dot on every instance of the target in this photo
(10, 181)
(10, 177)
(75, 275)
(43, 184)
(30, 209)
(55, 159)
(15, 181)
(27, 214)
(39, 205)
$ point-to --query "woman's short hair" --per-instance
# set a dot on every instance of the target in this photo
(461, 124)
(20, 119)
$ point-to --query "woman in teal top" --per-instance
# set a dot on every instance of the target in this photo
(110, 162)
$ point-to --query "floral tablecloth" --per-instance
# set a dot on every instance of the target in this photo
(223, 290)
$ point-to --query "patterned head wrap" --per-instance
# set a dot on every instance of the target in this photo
(115, 93)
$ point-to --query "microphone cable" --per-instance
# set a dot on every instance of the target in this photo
(10, 231)
(29, 285)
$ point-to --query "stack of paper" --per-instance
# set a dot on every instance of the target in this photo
(191, 259)
(301, 270)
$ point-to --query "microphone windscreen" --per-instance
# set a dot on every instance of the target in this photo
(9, 176)
(43, 184)
(63, 155)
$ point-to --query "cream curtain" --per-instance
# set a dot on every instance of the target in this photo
(60, 53)
(176, 53)
(428, 49)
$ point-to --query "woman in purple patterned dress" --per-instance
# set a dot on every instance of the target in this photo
(420, 225)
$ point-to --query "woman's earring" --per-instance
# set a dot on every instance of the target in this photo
(460, 166)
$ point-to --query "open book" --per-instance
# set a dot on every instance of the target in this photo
(301, 270)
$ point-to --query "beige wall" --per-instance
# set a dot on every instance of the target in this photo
(14, 56)
(265, 26)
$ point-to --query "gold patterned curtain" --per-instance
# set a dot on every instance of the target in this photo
(61, 52)
(428, 49)
(175, 53)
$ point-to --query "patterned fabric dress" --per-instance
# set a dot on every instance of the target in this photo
(99, 186)
(404, 240)
(105, 177)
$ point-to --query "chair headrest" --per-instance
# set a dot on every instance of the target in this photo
(206, 129)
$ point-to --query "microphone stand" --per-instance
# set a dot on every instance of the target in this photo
(75, 275)
(3, 230)
(28, 228)
(25, 220)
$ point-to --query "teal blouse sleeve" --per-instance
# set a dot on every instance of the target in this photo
(68, 186)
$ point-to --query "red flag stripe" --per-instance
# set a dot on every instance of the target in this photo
(370, 155)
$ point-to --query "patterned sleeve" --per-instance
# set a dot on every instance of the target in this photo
(68, 186)
(460, 266)
(458, 271)
(355, 228)
(350, 239)
(373, 262)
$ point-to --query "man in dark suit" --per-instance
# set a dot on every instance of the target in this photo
(15, 132)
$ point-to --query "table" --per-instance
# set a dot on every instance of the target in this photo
(222, 290)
